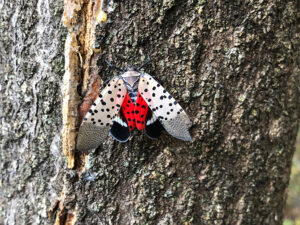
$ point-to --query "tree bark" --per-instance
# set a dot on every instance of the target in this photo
(232, 65)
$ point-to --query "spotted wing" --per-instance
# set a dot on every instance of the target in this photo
(98, 120)
(140, 112)
(128, 112)
(165, 107)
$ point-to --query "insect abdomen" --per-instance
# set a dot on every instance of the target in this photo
(133, 95)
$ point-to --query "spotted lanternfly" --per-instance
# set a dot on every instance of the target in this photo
(132, 100)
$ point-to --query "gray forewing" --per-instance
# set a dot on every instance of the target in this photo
(97, 122)
(91, 136)
(165, 107)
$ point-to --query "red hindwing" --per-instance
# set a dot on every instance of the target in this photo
(140, 109)
(135, 114)
(128, 112)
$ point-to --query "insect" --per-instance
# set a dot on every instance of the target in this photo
(132, 100)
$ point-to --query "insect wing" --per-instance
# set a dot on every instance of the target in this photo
(153, 126)
(128, 112)
(97, 122)
(165, 107)
(140, 110)
(120, 130)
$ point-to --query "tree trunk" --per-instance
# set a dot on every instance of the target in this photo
(232, 65)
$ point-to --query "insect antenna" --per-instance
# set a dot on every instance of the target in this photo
(145, 63)
(113, 66)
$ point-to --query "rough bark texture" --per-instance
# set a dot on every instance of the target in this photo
(31, 70)
(233, 65)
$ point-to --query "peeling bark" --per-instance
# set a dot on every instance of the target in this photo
(233, 65)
